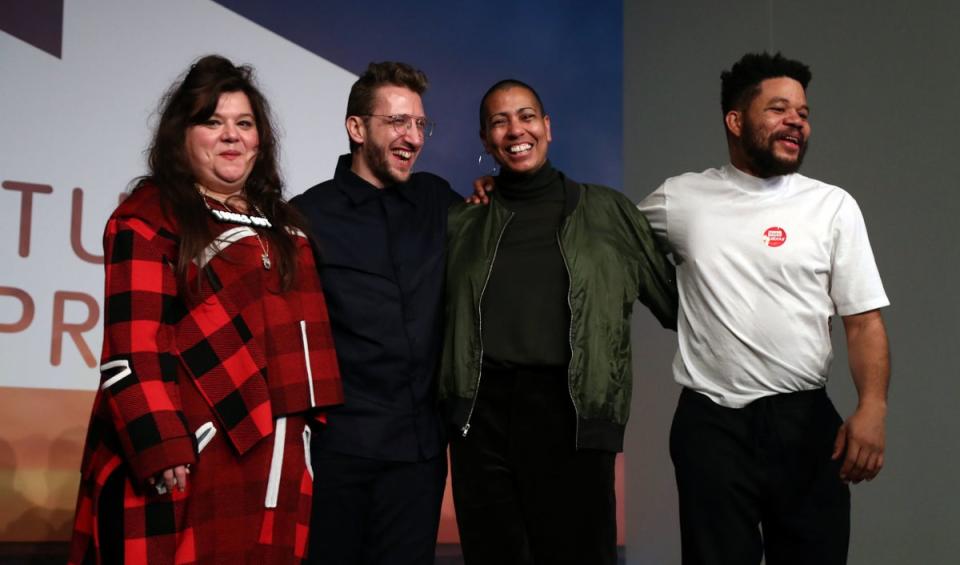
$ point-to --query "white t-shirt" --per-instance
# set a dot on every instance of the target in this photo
(764, 264)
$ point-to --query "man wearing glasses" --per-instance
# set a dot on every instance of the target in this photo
(379, 464)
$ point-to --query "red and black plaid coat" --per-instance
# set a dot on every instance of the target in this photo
(237, 363)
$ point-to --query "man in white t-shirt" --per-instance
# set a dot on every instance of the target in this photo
(765, 258)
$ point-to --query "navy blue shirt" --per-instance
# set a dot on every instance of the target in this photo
(381, 256)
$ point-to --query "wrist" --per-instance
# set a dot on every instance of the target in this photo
(873, 404)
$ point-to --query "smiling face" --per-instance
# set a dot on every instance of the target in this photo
(771, 135)
(515, 131)
(223, 149)
(384, 155)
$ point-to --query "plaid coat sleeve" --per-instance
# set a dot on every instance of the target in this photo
(138, 368)
(304, 374)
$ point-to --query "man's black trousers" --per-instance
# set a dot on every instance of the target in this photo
(372, 512)
(758, 481)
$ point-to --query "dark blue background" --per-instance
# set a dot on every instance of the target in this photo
(571, 52)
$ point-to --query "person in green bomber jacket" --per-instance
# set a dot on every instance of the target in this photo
(536, 369)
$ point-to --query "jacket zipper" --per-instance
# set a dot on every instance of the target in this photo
(576, 411)
(476, 390)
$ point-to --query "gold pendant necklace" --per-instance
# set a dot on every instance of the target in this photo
(239, 217)
(264, 246)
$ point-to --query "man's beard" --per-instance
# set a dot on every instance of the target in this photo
(763, 159)
(377, 159)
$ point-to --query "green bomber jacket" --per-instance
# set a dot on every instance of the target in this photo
(612, 259)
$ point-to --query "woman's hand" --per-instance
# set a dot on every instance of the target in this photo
(170, 478)
(481, 187)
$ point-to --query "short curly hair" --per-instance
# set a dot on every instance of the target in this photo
(363, 93)
(741, 83)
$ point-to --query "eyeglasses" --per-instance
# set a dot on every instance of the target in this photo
(403, 122)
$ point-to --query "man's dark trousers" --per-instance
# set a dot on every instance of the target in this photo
(369, 511)
(758, 481)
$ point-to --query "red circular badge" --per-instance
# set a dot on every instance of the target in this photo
(775, 236)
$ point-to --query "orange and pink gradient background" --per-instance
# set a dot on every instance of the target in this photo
(40, 449)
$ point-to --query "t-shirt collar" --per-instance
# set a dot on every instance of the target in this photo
(751, 183)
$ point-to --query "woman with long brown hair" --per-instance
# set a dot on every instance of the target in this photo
(217, 347)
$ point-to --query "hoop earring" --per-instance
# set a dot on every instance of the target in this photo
(491, 167)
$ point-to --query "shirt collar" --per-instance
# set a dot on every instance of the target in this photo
(750, 183)
(360, 191)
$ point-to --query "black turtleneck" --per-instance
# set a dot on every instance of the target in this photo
(526, 316)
